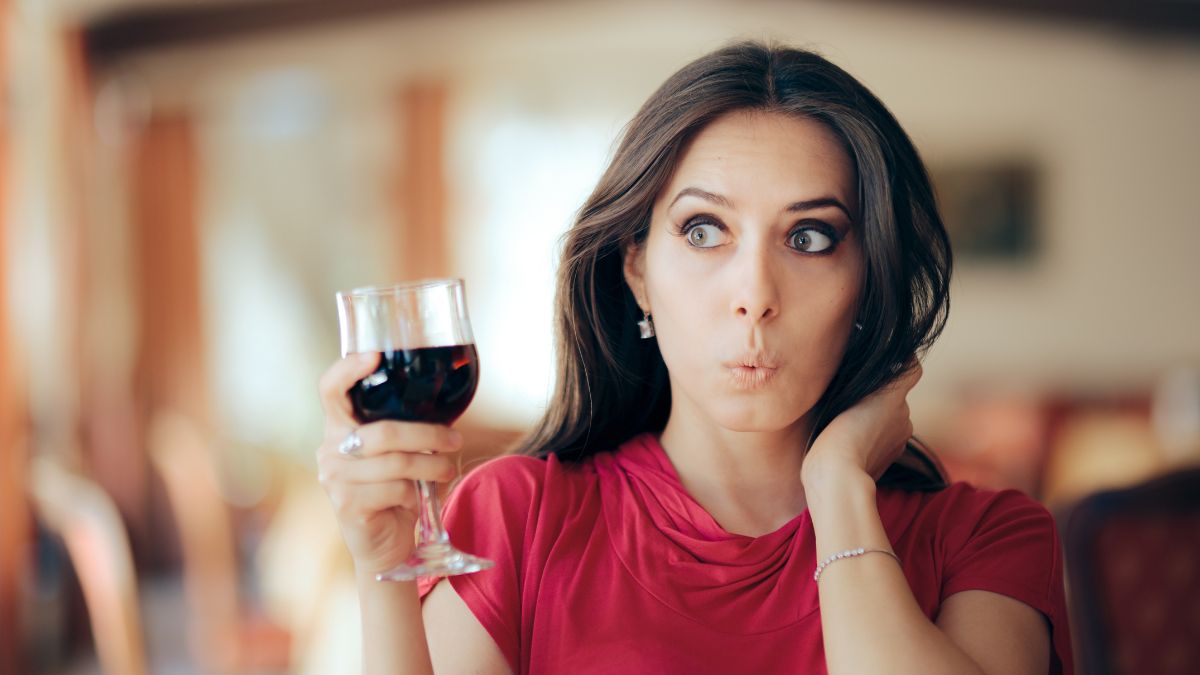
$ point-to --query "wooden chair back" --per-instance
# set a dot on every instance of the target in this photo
(182, 458)
(86, 518)
(1133, 568)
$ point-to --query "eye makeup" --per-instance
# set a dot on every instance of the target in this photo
(819, 227)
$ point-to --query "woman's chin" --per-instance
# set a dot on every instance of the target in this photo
(750, 418)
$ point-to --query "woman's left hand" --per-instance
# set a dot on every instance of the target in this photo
(869, 435)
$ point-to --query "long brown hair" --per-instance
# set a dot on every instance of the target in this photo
(611, 385)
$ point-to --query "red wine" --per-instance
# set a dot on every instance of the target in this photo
(430, 384)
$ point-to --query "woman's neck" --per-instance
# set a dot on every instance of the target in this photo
(749, 482)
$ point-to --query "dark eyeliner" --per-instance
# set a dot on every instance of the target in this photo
(701, 219)
(824, 228)
(684, 229)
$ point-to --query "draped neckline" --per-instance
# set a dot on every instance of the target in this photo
(677, 552)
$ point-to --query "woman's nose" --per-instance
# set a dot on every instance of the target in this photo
(756, 292)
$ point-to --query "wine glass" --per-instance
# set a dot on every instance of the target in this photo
(428, 371)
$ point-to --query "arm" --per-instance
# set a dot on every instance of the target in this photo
(866, 600)
(393, 633)
(457, 640)
(400, 635)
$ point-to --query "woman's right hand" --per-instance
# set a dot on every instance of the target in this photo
(372, 490)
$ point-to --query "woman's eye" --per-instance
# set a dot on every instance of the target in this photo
(810, 240)
(705, 235)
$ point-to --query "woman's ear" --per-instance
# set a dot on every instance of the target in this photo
(634, 260)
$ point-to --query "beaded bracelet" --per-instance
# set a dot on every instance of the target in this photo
(849, 553)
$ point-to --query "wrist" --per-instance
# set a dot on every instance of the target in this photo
(824, 479)
(822, 469)
(367, 574)
(371, 588)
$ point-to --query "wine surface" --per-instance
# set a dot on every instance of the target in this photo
(430, 384)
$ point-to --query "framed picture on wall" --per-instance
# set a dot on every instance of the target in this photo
(990, 209)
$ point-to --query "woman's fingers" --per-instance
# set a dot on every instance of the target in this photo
(388, 436)
(912, 373)
(392, 466)
(907, 379)
(391, 451)
(337, 380)
(357, 502)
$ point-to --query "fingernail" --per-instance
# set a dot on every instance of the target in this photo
(456, 437)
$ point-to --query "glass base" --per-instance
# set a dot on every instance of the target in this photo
(436, 560)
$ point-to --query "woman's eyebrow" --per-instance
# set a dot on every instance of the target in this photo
(702, 194)
(803, 205)
(819, 202)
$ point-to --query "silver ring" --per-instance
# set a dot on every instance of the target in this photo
(351, 444)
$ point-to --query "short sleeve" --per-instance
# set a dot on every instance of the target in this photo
(489, 514)
(1007, 543)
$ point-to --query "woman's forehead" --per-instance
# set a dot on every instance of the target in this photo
(765, 155)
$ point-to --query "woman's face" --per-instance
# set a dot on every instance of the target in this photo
(752, 269)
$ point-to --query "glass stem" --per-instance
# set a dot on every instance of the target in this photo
(430, 531)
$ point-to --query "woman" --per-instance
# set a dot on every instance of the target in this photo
(722, 482)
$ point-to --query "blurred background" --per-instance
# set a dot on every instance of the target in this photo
(184, 184)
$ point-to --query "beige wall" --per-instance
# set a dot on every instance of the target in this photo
(1110, 303)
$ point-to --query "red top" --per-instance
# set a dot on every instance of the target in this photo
(609, 566)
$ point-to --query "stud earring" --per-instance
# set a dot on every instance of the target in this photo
(646, 326)
(857, 325)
